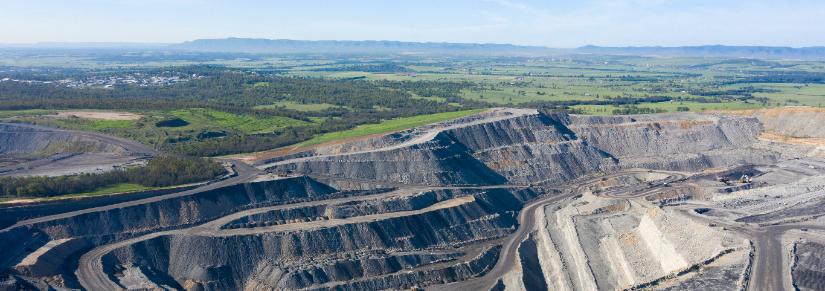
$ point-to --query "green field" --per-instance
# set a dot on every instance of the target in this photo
(205, 118)
(388, 126)
(670, 107)
(117, 188)
(113, 189)
(42, 118)
(795, 94)
(29, 112)
(93, 124)
(144, 130)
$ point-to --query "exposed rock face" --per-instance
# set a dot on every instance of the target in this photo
(437, 162)
(548, 147)
(660, 135)
(440, 203)
(185, 210)
(809, 265)
(410, 202)
(24, 140)
(167, 213)
(687, 142)
(533, 148)
(48, 259)
(35, 150)
(794, 122)
(294, 260)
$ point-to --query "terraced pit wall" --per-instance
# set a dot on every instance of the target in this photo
(552, 148)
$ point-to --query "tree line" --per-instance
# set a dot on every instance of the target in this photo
(160, 171)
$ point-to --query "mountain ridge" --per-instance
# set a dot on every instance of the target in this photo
(292, 46)
(260, 45)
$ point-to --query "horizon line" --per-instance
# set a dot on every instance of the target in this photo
(113, 44)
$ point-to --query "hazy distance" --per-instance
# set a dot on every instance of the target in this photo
(563, 24)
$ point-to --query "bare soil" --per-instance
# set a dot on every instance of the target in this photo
(99, 115)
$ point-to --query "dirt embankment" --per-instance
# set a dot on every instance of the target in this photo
(794, 122)
(99, 115)
(36, 150)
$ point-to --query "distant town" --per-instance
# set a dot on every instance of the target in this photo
(110, 81)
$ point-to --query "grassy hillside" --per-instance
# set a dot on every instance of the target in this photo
(200, 118)
(389, 126)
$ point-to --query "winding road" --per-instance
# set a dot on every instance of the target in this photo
(92, 275)
(244, 172)
(770, 266)
(771, 263)
(527, 222)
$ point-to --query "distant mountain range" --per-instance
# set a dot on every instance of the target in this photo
(756, 52)
(248, 45)
(287, 46)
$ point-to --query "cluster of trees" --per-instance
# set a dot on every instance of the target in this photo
(239, 92)
(628, 110)
(159, 172)
(618, 101)
(801, 77)
(231, 91)
(242, 143)
(371, 68)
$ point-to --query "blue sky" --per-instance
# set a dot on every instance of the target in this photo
(552, 23)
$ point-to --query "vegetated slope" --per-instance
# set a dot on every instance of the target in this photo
(286, 46)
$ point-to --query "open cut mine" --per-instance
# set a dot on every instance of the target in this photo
(507, 199)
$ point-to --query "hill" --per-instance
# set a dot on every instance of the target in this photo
(755, 52)
(287, 46)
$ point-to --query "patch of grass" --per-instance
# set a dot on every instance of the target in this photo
(434, 98)
(199, 118)
(298, 106)
(21, 113)
(698, 107)
(98, 125)
(102, 125)
(388, 126)
(113, 189)
(794, 94)
(117, 188)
